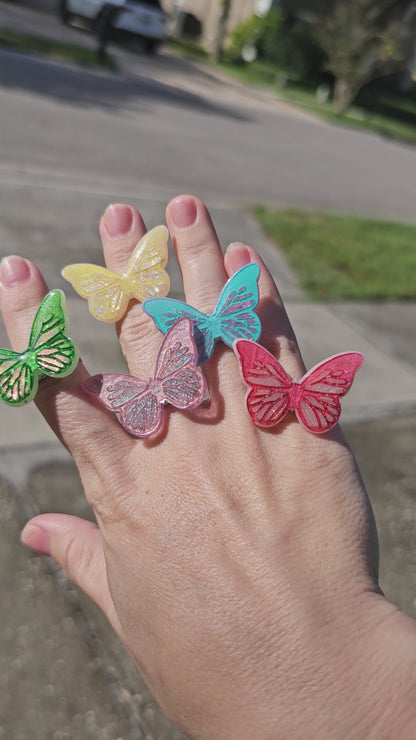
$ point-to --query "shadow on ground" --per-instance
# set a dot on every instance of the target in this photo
(85, 88)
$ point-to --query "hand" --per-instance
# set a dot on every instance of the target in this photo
(238, 565)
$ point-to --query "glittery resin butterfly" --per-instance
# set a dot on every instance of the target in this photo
(314, 398)
(50, 352)
(108, 293)
(232, 317)
(177, 381)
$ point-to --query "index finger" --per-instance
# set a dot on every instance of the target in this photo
(88, 431)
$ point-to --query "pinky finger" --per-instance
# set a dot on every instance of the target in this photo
(77, 546)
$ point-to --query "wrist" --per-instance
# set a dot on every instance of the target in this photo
(394, 676)
(363, 690)
(372, 685)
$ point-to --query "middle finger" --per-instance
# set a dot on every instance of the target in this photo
(121, 228)
(198, 251)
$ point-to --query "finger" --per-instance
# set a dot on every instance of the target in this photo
(121, 228)
(277, 334)
(198, 251)
(86, 430)
(77, 546)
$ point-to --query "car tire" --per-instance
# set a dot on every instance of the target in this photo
(151, 46)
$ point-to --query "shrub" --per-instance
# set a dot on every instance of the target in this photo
(286, 43)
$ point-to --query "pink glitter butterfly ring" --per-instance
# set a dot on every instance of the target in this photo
(139, 404)
(314, 399)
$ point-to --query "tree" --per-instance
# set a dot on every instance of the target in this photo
(221, 30)
(362, 40)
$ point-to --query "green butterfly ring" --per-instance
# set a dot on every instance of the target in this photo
(50, 353)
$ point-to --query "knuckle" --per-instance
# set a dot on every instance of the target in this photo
(136, 325)
(206, 296)
(200, 247)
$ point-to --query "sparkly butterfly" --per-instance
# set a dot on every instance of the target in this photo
(177, 380)
(233, 316)
(108, 293)
(314, 398)
(50, 352)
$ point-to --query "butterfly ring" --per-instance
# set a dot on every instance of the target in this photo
(233, 316)
(139, 404)
(108, 293)
(315, 398)
(50, 353)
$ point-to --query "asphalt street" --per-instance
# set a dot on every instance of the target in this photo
(164, 125)
(71, 141)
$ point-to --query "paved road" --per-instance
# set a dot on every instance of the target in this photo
(72, 141)
(178, 129)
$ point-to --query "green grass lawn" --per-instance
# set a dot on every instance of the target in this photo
(343, 257)
(52, 49)
(389, 114)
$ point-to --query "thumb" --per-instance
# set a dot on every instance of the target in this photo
(77, 546)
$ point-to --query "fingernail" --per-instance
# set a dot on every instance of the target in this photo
(36, 538)
(183, 211)
(14, 271)
(237, 256)
(118, 219)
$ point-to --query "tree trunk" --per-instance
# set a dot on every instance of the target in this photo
(344, 94)
(221, 31)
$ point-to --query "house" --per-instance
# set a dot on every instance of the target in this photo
(208, 13)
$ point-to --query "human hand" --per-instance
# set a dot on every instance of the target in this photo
(238, 565)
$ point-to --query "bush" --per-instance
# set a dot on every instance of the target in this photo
(286, 43)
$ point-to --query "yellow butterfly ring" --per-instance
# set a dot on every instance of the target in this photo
(50, 353)
(109, 294)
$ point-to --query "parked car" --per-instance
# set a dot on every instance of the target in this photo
(138, 19)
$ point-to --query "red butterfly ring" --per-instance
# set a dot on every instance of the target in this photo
(315, 398)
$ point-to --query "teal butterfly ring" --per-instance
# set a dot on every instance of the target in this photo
(233, 317)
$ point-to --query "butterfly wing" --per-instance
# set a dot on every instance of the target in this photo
(18, 382)
(177, 380)
(50, 352)
(233, 317)
(182, 383)
(317, 406)
(104, 290)
(268, 397)
(138, 408)
(234, 313)
(166, 312)
(145, 274)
